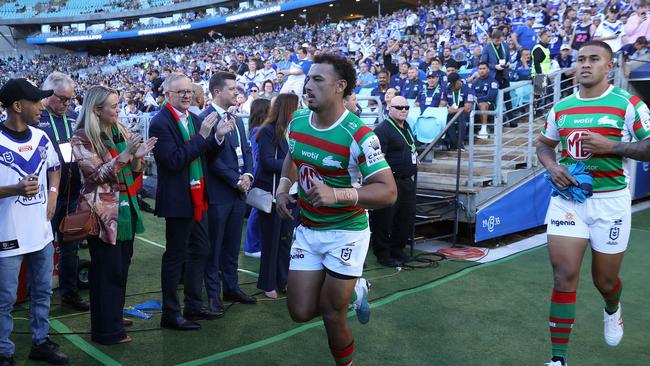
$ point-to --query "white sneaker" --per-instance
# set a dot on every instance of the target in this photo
(361, 305)
(253, 254)
(613, 327)
(556, 363)
(483, 133)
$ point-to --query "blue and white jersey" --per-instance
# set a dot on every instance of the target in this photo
(24, 227)
(296, 64)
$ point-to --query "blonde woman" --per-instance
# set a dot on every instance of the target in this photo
(109, 157)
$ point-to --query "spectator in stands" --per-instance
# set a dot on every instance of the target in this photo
(433, 95)
(459, 98)
(156, 82)
(365, 78)
(198, 99)
(268, 73)
(413, 86)
(58, 120)
(300, 65)
(241, 64)
(351, 104)
(230, 175)
(268, 90)
(390, 94)
(276, 234)
(252, 241)
(398, 80)
(109, 155)
(485, 90)
(611, 29)
(250, 77)
(30, 237)
(391, 227)
(382, 85)
(583, 32)
(253, 93)
(565, 61)
(181, 167)
(522, 67)
(638, 23)
(525, 36)
(637, 48)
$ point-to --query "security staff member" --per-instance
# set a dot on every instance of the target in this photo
(434, 95)
(541, 55)
(391, 227)
(57, 121)
(485, 90)
(413, 86)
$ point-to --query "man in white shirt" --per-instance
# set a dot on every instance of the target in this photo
(611, 30)
(28, 164)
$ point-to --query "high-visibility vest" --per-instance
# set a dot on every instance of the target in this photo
(546, 62)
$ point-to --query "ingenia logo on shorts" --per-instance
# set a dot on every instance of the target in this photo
(297, 254)
(568, 221)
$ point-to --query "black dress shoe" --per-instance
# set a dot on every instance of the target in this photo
(388, 262)
(215, 306)
(48, 351)
(75, 302)
(179, 323)
(240, 297)
(201, 314)
(7, 361)
(400, 256)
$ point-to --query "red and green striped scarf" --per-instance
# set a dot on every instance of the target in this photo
(127, 227)
(197, 181)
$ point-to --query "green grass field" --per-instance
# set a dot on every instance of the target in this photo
(456, 314)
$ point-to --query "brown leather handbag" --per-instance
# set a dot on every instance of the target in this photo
(79, 225)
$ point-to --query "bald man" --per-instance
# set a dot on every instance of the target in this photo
(389, 234)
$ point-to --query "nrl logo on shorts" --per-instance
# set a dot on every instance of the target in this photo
(614, 232)
(346, 253)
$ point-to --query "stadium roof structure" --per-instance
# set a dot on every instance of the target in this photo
(266, 18)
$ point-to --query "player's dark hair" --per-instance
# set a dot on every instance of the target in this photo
(600, 44)
(218, 80)
(484, 63)
(342, 67)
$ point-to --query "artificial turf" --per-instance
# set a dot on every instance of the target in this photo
(457, 314)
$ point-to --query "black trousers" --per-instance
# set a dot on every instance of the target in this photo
(109, 269)
(68, 251)
(391, 227)
(452, 137)
(186, 244)
(276, 243)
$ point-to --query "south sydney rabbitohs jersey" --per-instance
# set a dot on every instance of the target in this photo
(616, 114)
(340, 156)
(24, 227)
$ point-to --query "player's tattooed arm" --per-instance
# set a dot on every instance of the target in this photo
(639, 150)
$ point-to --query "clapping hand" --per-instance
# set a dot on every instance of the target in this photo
(145, 147)
(133, 143)
(226, 125)
(207, 124)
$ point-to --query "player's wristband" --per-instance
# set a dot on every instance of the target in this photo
(54, 190)
(348, 196)
(283, 186)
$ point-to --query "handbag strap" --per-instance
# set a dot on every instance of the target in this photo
(67, 203)
(273, 190)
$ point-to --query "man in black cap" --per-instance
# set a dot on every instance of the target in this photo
(28, 164)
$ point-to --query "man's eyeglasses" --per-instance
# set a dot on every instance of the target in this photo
(401, 107)
(63, 99)
(182, 93)
(254, 90)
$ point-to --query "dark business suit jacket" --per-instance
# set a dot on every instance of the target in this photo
(223, 168)
(173, 158)
(268, 164)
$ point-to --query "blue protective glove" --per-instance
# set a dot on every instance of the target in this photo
(578, 193)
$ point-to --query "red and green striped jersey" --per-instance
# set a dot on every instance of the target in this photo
(340, 156)
(616, 114)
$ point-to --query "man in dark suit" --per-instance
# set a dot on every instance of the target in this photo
(230, 175)
(181, 198)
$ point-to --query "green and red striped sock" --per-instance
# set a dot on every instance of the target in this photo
(343, 357)
(560, 321)
(613, 298)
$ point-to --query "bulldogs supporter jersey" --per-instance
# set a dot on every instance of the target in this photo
(24, 227)
(616, 114)
(339, 156)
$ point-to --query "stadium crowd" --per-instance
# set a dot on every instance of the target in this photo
(455, 56)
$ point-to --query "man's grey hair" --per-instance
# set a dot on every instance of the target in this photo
(57, 79)
(171, 78)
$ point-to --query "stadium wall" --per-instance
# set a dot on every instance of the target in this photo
(12, 47)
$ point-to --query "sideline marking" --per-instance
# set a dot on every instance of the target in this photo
(83, 345)
(254, 274)
(377, 304)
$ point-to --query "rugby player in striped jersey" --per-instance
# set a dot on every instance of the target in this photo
(605, 127)
(340, 169)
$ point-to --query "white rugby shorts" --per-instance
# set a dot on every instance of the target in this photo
(604, 219)
(340, 251)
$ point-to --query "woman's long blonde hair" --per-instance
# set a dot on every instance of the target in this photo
(89, 121)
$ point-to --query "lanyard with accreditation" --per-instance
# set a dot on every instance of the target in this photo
(414, 154)
(65, 148)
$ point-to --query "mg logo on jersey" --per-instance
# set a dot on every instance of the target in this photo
(574, 145)
(305, 172)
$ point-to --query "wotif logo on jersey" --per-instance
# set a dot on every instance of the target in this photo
(574, 145)
(304, 173)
